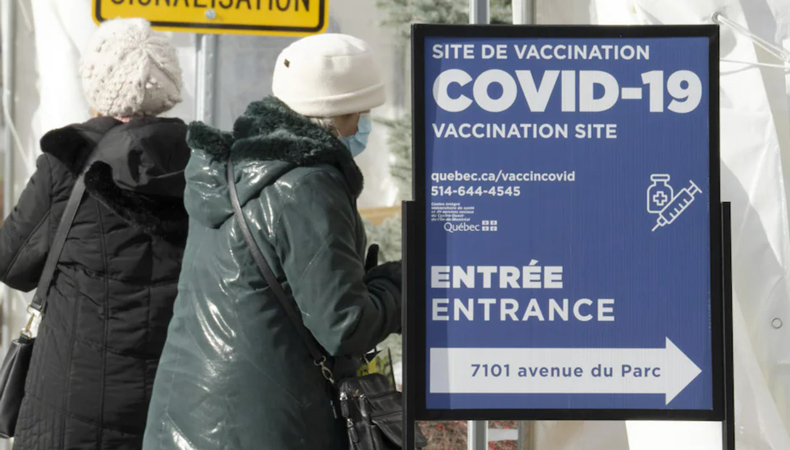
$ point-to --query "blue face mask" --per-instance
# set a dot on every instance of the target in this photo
(357, 143)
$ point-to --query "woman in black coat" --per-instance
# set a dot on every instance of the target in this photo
(112, 293)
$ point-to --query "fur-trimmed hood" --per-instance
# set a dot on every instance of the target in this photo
(136, 169)
(267, 141)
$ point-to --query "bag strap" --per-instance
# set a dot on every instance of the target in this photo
(319, 359)
(39, 302)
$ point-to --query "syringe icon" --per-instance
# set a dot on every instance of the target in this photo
(678, 204)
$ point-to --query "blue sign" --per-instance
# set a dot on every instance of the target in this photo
(567, 194)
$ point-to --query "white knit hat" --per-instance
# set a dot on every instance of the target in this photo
(129, 70)
(328, 75)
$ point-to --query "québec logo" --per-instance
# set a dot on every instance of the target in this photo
(485, 226)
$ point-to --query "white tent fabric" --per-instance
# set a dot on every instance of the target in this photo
(67, 35)
(753, 119)
(755, 138)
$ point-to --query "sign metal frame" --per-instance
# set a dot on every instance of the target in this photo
(415, 363)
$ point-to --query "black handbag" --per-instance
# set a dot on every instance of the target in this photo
(372, 410)
(13, 372)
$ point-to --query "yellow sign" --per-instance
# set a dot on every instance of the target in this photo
(268, 17)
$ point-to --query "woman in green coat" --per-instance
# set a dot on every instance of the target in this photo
(234, 373)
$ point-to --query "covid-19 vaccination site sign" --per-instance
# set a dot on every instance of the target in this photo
(570, 244)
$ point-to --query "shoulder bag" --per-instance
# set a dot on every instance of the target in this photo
(372, 410)
(13, 372)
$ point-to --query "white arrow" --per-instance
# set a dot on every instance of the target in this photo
(561, 371)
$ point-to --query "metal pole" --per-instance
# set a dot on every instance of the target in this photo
(479, 14)
(477, 435)
(205, 78)
(524, 12)
(8, 13)
(729, 397)
(8, 46)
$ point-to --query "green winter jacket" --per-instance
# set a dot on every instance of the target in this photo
(234, 373)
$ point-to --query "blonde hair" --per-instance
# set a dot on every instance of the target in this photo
(330, 124)
(327, 123)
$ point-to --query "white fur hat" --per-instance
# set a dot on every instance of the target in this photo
(328, 75)
(130, 70)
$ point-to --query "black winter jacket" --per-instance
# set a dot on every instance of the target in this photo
(111, 299)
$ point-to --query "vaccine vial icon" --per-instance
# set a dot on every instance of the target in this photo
(659, 194)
